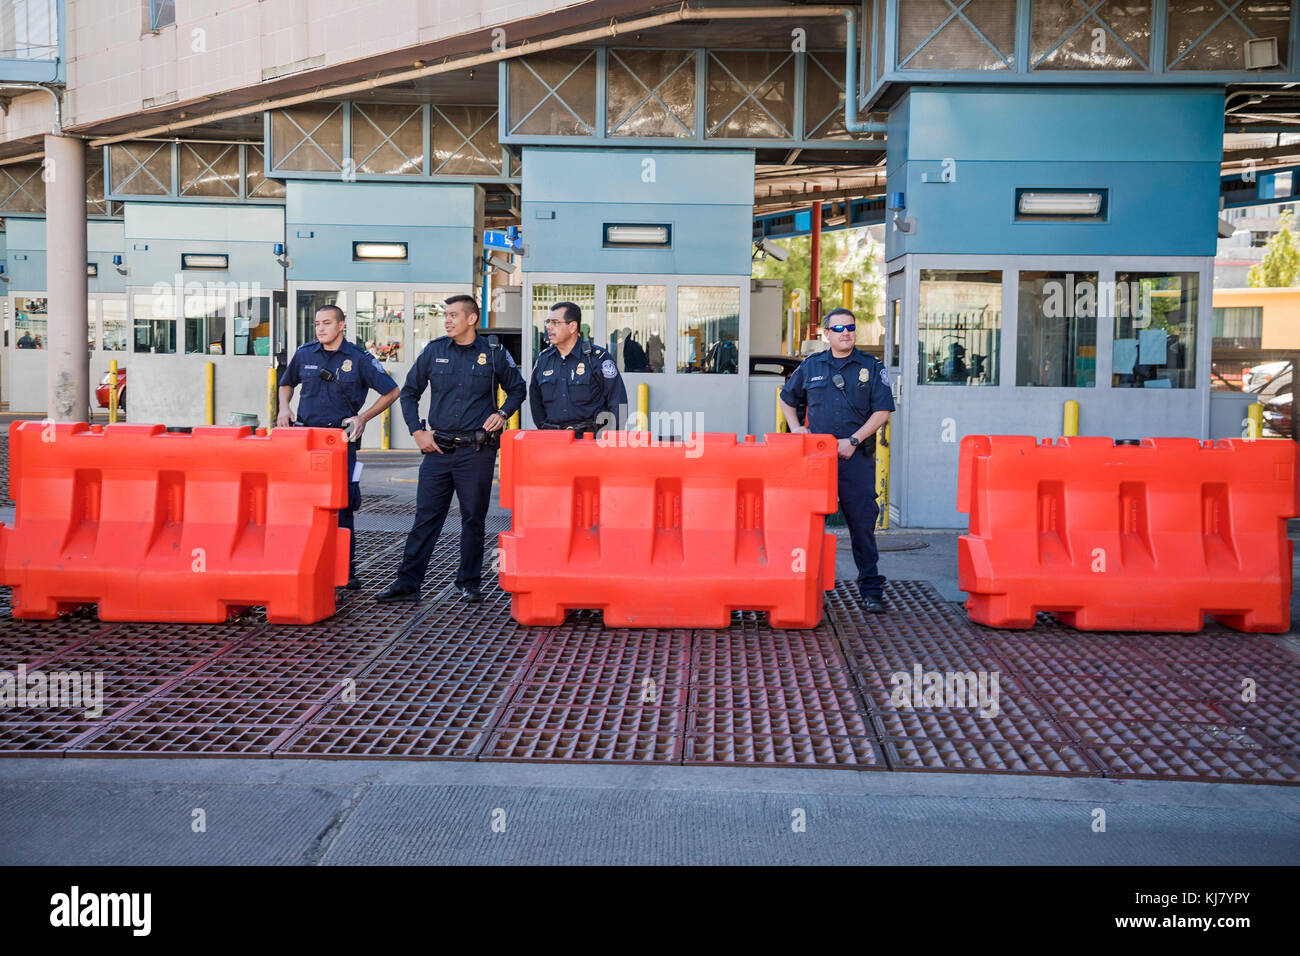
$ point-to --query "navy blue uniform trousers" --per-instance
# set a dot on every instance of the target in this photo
(469, 474)
(354, 502)
(857, 488)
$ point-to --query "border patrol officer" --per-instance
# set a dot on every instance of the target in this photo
(847, 394)
(335, 376)
(461, 370)
(575, 383)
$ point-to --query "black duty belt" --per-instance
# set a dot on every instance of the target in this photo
(480, 439)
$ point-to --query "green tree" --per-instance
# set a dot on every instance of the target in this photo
(1281, 260)
(845, 254)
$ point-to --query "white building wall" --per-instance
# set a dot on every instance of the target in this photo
(116, 67)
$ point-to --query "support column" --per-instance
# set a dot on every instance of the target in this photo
(68, 366)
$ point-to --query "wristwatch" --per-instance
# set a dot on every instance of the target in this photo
(854, 442)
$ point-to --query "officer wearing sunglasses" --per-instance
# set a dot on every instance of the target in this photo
(847, 394)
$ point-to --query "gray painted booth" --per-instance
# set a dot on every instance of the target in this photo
(337, 235)
(1054, 244)
(201, 283)
(22, 369)
(654, 245)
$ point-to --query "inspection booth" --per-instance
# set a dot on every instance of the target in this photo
(388, 254)
(23, 377)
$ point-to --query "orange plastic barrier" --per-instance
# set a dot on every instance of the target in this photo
(194, 527)
(1127, 537)
(667, 534)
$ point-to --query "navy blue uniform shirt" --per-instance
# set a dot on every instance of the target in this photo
(462, 382)
(575, 388)
(323, 404)
(832, 411)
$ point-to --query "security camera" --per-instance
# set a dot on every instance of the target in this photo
(500, 263)
(767, 247)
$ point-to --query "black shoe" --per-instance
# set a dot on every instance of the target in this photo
(471, 595)
(873, 603)
(396, 594)
(354, 583)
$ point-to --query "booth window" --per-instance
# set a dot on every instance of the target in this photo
(30, 323)
(91, 321)
(959, 327)
(205, 323)
(306, 307)
(113, 320)
(153, 316)
(546, 294)
(1155, 330)
(251, 317)
(380, 326)
(429, 312)
(636, 317)
(708, 329)
(1056, 338)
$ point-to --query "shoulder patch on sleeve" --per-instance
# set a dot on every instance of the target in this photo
(884, 374)
(510, 359)
(608, 368)
(379, 367)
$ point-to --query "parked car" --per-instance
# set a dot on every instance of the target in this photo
(783, 365)
(101, 393)
(1277, 416)
(1266, 378)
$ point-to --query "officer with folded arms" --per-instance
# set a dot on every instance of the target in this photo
(461, 370)
(335, 376)
(576, 384)
(847, 394)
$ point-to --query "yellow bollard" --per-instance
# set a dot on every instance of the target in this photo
(882, 476)
(643, 407)
(272, 399)
(1071, 428)
(1255, 420)
(386, 429)
(846, 294)
(781, 424)
(513, 420)
(210, 380)
(112, 391)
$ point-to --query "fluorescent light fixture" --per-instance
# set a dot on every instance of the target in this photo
(92, 269)
(638, 234)
(1059, 204)
(382, 251)
(204, 260)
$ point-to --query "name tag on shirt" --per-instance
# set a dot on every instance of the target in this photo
(442, 360)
